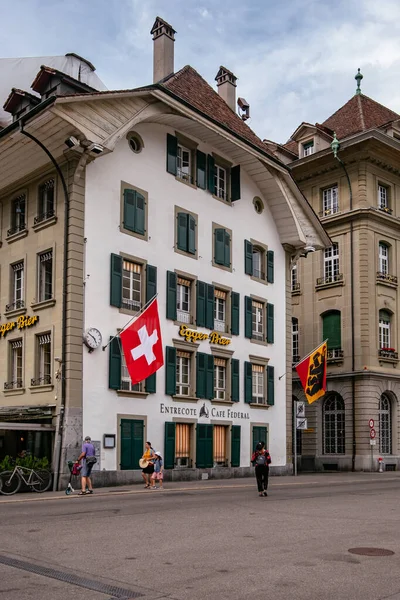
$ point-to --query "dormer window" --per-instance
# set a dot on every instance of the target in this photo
(308, 148)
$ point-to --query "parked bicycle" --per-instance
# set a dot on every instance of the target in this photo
(10, 481)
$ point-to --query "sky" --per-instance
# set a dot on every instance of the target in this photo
(295, 59)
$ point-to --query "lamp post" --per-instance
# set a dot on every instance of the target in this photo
(335, 146)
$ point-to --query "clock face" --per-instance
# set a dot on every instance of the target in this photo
(92, 338)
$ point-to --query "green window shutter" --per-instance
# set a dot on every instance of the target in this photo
(170, 371)
(219, 246)
(235, 313)
(235, 183)
(248, 382)
(235, 446)
(171, 295)
(270, 266)
(209, 361)
(235, 397)
(201, 374)
(151, 282)
(332, 330)
(140, 203)
(169, 446)
(270, 323)
(182, 231)
(201, 160)
(248, 309)
(259, 435)
(114, 365)
(131, 443)
(172, 152)
(116, 281)
(191, 247)
(201, 304)
(129, 210)
(150, 384)
(248, 257)
(210, 174)
(204, 446)
(210, 307)
(227, 249)
(270, 385)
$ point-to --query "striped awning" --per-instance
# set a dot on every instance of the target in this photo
(16, 344)
(132, 267)
(257, 368)
(46, 256)
(45, 338)
(185, 282)
(18, 266)
(257, 304)
(183, 354)
(220, 294)
(219, 362)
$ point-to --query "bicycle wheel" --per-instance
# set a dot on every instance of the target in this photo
(10, 483)
(41, 481)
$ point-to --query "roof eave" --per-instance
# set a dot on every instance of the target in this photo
(29, 115)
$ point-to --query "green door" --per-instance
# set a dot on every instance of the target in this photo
(131, 443)
(204, 447)
(259, 435)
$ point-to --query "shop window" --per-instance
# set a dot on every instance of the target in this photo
(219, 445)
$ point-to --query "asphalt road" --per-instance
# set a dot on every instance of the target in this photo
(213, 541)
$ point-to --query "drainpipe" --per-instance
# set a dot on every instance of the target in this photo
(335, 145)
(60, 421)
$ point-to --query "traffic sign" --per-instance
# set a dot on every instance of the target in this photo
(300, 409)
(372, 434)
(372, 442)
(301, 423)
(371, 423)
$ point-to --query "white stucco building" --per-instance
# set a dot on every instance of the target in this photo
(174, 195)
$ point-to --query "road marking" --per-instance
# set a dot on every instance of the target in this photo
(197, 488)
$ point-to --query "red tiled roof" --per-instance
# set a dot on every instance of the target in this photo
(193, 89)
(359, 114)
(292, 146)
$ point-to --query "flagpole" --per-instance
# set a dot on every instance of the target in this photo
(309, 354)
(130, 321)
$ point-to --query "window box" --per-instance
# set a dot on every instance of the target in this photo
(15, 306)
(386, 278)
(296, 291)
(14, 385)
(335, 355)
(386, 209)
(331, 280)
(388, 354)
(41, 381)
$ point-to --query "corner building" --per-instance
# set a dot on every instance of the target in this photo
(181, 199)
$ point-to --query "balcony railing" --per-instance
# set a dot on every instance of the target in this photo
(386, 277)
(184, 176)
(13, 385)
(388, 353)
(219, 326)
(335, 354)
(134, 305)
(44, 216)
(46, 380)
(15, 305)
(330, 279)
(386, 209)
(328, 212)
(16, 229)
(183, 316)
(295, 288)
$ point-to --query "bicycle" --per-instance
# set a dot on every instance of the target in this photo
(11, 481)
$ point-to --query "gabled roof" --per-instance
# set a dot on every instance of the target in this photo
(45, 74)
(359, 114)
(15, 98)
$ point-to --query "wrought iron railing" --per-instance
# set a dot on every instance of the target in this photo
(386, 209)
(328, 212)
(295, 287)
(16, 229)
(45, 380)
(184, 176)
(13, 385)
(330, 279)
(388, 353)
(44, 216)
(335, 354)
(15, 305)
(386, 277)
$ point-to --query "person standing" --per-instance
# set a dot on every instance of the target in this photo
(158, 474)
(261, 459)
(148, 471)
(88, 458)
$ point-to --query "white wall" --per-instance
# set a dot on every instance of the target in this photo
(147, 170)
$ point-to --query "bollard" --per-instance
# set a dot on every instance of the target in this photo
(380, 462)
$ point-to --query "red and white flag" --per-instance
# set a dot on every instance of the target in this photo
(142, 344)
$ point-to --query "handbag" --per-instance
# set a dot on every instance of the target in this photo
(91, 460)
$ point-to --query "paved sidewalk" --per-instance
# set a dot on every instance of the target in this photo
(304, 480)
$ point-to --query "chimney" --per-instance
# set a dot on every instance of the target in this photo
(163, 51)
(226, 84)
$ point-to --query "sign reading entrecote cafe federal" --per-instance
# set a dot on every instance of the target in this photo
(213, 412)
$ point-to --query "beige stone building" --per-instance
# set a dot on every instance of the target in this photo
(349, 293)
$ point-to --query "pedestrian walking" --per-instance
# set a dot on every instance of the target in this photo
(261, 459)
(88, 458)
(148, 470)
(158, 474)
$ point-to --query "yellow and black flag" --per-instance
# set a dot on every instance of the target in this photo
(312, 373)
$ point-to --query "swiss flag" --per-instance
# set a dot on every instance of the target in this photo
(142, 344)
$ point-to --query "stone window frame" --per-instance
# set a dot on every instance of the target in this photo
(226, 355)
(17, 311)
(51, 220)
(42, 387)
(36, 304)
(128, 186)
(227, 166)
(24, 232)
(192, 348)
(193, 281)
(264, 302)
(192, 146)
(18, 336)
(263, 249)
(214, 264)
(143, 263)
(177, 210)
(260, 361)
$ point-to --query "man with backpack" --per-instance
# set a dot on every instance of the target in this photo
(88, 457)
(261, 459)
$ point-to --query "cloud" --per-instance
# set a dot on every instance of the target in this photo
(295, 60)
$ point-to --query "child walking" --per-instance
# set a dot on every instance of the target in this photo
(158, 474)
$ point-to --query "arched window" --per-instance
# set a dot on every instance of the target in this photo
(331, 329)
(383, 258)
(385, 425)
(295, 340)
(334, 425)
(384, 329)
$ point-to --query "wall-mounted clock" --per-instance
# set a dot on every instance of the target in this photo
(92, 338)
